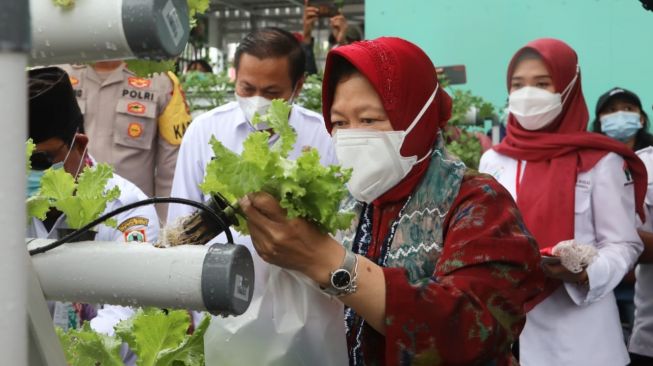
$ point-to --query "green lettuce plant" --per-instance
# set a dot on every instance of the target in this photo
(82, 201)
(157, 338)
(303, 186)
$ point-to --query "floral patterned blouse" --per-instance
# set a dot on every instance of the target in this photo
(459, 266)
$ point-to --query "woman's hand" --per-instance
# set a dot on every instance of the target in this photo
(290, 243)
(559, 272)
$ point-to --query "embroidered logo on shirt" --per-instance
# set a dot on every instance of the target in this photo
(74, 81)
(136, 235)
(583, 183)
(135, 130)
(133, 221)
(139, 82)
(136, 107)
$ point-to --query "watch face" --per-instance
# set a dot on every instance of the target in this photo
(340, 279)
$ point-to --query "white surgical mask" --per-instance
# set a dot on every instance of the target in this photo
(375, 157)
(536, 108)
(621, 125)
(253, 105)
(260, 105)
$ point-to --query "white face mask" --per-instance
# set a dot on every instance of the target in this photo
(253, 105)
(260, 105)
(375, 157)
(536, 108)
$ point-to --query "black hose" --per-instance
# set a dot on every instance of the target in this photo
(77, 233)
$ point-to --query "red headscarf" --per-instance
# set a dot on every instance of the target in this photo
(404, 77)
(559, 152)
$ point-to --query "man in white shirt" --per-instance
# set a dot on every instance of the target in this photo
(55, 126)
(269, 65)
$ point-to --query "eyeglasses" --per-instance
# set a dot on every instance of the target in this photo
(42, 160)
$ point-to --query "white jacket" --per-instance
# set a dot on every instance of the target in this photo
(576, 326)
(641, 340)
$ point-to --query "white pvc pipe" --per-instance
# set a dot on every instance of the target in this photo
(131, 274)
(13, 274)
(91, 30)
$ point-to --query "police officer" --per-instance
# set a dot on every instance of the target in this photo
(134, 123)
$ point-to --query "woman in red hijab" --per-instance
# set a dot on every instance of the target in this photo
(437, 266)
(569, 185)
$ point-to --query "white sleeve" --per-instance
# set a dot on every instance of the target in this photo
(189, 173)
(109, 316)
(130, 194)
(617, 241)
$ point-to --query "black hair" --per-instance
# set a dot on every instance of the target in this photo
(643, 138)
(202, 63)
(341, 69)
(274, 42)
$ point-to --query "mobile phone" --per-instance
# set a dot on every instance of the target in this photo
(325, 8)
(547, 259)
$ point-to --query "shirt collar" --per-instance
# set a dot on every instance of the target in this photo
(115, 76)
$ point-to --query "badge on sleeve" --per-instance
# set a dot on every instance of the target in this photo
(133, 229)
(140, 83)
(132, 222)
(137, 235)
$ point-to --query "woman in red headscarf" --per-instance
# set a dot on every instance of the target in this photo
(437, 266)
(570, 185)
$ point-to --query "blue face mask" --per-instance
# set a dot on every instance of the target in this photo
(34, 179)
(621, 125)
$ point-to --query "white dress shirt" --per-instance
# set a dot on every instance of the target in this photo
(641, 340)
(579, 325)
(229, 125)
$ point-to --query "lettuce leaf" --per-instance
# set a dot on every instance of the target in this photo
(85, 347)
(29, 149)
(190, 351)
(157, 338)
(151, 332)
(81, 202)
(304, 187)
(38, 206)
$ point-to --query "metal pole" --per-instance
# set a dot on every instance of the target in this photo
(14, 45)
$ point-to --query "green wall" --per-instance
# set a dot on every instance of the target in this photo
(613, 38)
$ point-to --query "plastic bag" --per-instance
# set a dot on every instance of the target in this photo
(289, 322)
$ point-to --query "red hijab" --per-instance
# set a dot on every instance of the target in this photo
(405, 78)
(560, 151)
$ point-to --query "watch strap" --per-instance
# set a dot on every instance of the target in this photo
(349, 265)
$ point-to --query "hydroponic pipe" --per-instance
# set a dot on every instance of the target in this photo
(14, 45)
(93, 30)
(218, 279)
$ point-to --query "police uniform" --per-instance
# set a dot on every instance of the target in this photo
(576, 324)
(133, 123)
